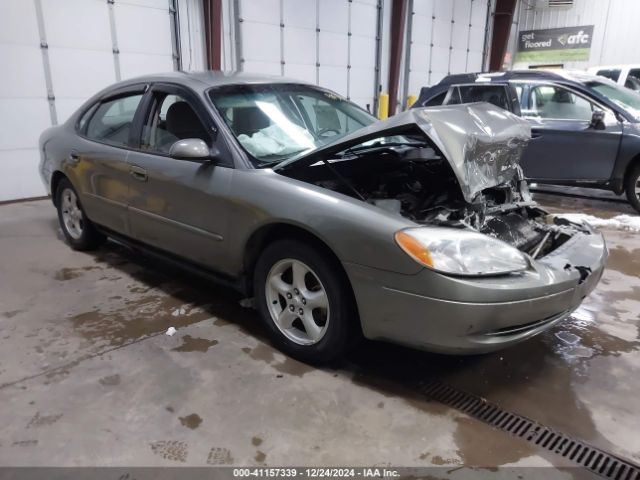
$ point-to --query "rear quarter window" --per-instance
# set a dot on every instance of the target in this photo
(435, 101)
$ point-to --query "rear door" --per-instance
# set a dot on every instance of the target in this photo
(98, 162)
(179, 206)
(564, 147)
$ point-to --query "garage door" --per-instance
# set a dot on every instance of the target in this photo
(65, 51)
(446, 37)
(328, 47)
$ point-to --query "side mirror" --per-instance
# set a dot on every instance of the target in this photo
(597, 120)
(193, 149)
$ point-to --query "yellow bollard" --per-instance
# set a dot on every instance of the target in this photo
(383, 106)
(411, 99)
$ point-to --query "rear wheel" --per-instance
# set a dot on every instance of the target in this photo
(304, 299)
(80, 233)
(632, 187)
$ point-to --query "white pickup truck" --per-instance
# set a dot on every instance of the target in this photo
(625, 75)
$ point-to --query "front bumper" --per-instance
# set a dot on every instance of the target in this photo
(453, 315)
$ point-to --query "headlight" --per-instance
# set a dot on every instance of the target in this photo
(460, 252)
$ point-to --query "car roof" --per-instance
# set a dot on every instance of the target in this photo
(557, 75)
(609, 67)
(204, 80)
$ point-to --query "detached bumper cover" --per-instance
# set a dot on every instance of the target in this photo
(453, 315)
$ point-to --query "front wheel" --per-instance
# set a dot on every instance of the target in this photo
(304, 299)
(80, 233)
(632, 187)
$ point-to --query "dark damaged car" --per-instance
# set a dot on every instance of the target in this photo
(418, 230)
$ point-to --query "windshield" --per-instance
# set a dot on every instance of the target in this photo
(623, 97)
(276, 122)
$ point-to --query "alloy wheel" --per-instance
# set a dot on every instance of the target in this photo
(71, 214)
(297, 301)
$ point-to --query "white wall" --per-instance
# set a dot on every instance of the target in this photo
(309, 40)
(447, 37)
(328, 42)
(81, 36)
(614, 34)
(192, 35)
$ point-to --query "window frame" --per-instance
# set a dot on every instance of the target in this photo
(155, 104)
(128, 91)
(197, 104)
(509, 90)
(244, 158)
(530, 85)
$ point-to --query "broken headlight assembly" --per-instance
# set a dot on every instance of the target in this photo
(460, 252)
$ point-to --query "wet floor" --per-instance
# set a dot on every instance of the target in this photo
(84, 358)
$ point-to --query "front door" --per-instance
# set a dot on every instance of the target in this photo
(564, 147)
(178, 206)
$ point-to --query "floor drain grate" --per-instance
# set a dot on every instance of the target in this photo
(592, 458)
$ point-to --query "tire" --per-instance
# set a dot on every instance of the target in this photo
(631, 183)
(78, 230)
(279, 296)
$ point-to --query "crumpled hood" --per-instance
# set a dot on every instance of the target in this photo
(483, 143)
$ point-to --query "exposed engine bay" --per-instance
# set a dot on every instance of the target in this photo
(419, 184)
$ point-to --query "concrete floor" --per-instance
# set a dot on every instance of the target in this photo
(87, 376)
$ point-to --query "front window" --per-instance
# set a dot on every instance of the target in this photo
(623, 97)
(171, 119)
(558, 103)
(277, 122)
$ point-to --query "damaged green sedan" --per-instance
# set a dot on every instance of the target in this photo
(419, 229)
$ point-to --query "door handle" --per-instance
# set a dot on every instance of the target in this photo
(536, 135)
(138, 173)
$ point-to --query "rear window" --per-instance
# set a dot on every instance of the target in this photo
(610, 73)
(112, 119)
(494, 94)
(435, 101)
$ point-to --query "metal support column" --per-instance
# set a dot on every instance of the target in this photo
(349, 50)
(453, 21)
(407, 56)
(174, 20)
(377, 88)
(466, 60)
(114, 40)
(212, 11)
(282, 62)
(433, 17)
(487, 32)
(502, 20)
(44, 48)
(237, 20)
(317, 42)
(398, 17)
